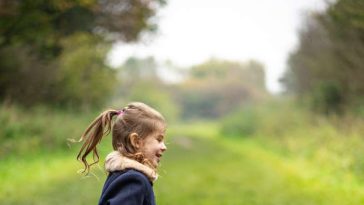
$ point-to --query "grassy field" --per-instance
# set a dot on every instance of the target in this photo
(200, 167)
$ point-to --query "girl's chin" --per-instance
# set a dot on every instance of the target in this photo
(156, 163)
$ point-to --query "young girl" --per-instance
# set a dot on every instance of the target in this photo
(138, 142)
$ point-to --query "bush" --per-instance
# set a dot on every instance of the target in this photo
(242, 123)
(27, 131)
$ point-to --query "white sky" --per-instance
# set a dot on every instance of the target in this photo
(192, 31)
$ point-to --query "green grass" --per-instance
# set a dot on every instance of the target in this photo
(196, 170)
(231, 171)
(201, 166)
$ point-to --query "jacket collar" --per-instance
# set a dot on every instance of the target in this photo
(115, 161)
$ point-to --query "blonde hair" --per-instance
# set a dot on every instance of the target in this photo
(137, 118)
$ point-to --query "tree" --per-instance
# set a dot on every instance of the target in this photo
(140, 81)
(83, 78)
(216, 87)
(34, 31)
(327, 67)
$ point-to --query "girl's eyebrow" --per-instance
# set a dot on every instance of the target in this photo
(161, 136)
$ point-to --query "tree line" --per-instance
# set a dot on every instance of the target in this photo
(210, 90)
(53, 52)
(327, 68)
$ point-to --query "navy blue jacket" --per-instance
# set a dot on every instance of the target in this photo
(127, 187)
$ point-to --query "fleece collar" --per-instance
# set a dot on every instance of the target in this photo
(115, 161)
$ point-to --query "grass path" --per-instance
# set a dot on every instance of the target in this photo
(195, 171)
(301, 182)
(220, 171)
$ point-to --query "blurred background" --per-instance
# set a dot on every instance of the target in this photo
(263, 99)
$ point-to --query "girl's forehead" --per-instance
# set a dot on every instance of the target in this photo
(160, 131)
(155, 135)
(161, 127)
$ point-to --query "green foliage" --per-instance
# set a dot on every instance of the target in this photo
(26, 78)
(139, 81)
(216, 87)
(332, 143)
(241, 123)
(135, 71)
(327, 98)
(202, 102)
(215, 170)
(83, 78)
(49, 68)
(157, 98)
(327, 67)
(34, 20)
(29, 131)
(274, 118)
(248, 73)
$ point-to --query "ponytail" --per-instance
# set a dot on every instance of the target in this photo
(92, 136)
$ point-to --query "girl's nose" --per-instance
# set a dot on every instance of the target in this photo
(164, 147)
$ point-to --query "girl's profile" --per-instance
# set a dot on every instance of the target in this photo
(138, 142)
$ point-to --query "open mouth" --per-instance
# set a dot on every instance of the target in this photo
(158, 157)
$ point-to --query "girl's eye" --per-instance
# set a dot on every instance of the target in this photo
(160, 139)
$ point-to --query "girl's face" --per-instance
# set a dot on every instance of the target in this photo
(153, 147)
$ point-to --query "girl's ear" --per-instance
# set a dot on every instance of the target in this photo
(134, 139)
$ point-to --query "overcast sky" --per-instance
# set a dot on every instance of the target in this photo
(192, 31)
